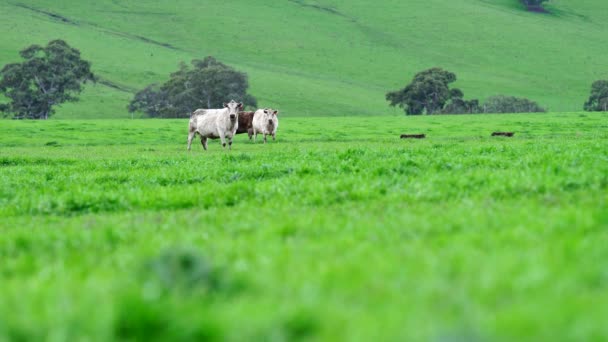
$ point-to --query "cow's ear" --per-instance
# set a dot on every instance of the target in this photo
(240, 105)
(225, 105)
(275, 112)
(265, 111)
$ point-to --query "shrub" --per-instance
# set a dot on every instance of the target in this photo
(206, 84)
(598, 100)
(460, 106)
(510, 104)
(428, 92)
(48, 77)
(534, 5)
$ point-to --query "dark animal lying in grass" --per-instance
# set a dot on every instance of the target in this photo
(414, 136)
(245, 123)
(503, 134)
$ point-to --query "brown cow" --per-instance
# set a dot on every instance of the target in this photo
(245, 123)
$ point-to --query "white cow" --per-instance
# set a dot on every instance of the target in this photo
(266, 122)
(215, 123)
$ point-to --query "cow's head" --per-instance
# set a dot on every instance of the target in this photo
(270, 115)
(233, 109)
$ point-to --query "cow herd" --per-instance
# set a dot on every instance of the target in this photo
(225, 123)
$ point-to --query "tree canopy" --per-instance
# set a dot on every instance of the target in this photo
(598, 100)
(206, 83)
(534, 5)
(428, 92)
(510, 104)
(153, 101)
(530, 3)
(49, 76)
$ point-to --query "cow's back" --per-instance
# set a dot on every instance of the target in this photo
(245, 122)
(205, 121)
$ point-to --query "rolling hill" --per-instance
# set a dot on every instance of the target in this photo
(323, 58)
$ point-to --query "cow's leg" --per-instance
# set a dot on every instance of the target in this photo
(230, 143)
(274, 136)
(204, 142)
(255, 135)
(250, 133)
(265, 138)
(190, 137)
(223, 139)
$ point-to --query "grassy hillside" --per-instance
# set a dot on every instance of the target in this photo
(329, 57)
(339, 234)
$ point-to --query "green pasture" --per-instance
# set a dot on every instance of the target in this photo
(339, 230)
(323, 58)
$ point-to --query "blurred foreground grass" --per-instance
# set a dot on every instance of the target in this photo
(337, 231)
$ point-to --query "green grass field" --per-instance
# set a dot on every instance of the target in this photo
(339, 230)
(326, 57)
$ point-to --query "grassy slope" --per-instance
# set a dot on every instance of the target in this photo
(340, 233)
(309, 61)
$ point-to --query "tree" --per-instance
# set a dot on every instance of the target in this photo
(534, 5)
(533, 2)
(151, 100)
(461, 106)
(427, 93)
(458, 105)
(207, 84)
(48, 77)
(598, 101)
(510, 104)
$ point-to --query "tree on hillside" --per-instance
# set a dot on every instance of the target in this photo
(428, 92)
(151, 100)
(510, 104)
(206, 84)
(534, 5)
(48, 77)
(598, 101)
(458, 105)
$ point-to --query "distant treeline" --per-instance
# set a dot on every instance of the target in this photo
(430, 93)
(54, 74)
